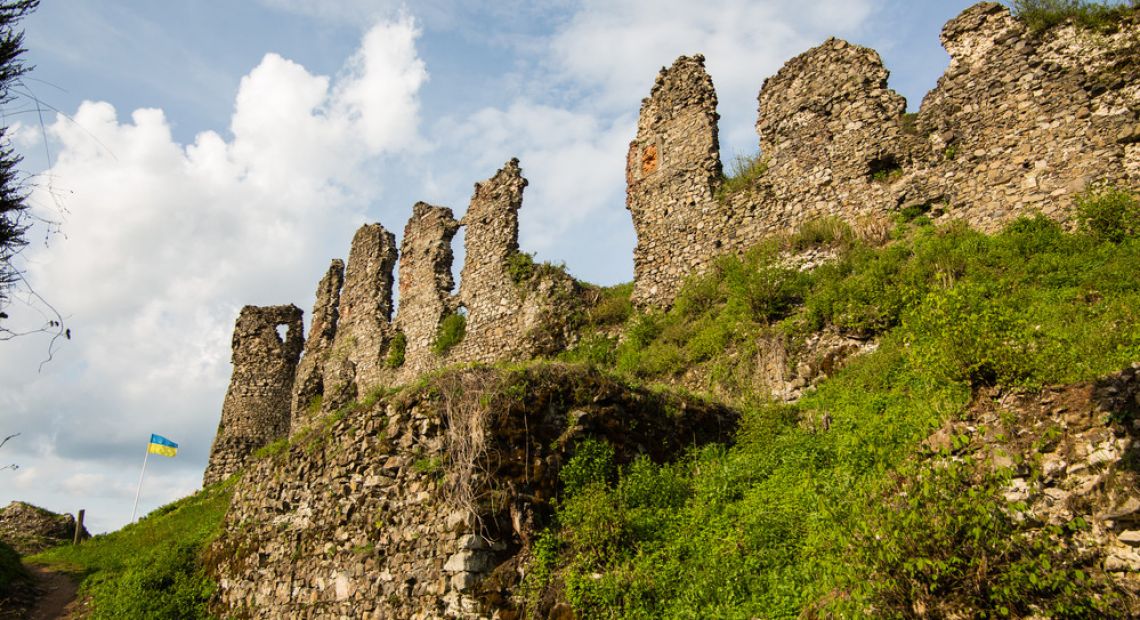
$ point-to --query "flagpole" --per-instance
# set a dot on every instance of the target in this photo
(134, 511)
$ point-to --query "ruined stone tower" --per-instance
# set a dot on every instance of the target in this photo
(309, 384)
(364, 329)
(256, 408)
(673, 171)
(491, 237)
(426, 282)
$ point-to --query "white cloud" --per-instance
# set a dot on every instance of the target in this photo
(164, 242)
(614, 48)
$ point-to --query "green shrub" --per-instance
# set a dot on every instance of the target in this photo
(821, 232)
(1109, 213)
(613, 307)
(452, 329)
(1041, 15)
(396, 350)
(592, 463)
(942, 538)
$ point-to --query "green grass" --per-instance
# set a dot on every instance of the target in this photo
(1044, 14)
(802, 515)
(154, 568)
(744, 171)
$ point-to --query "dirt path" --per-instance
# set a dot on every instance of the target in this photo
(56, 593)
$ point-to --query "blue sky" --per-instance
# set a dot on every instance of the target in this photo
(211, 154)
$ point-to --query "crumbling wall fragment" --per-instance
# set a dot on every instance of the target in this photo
(1019, 123)
(491, 238)
(673, 171)
(426, 282)
(256, 408)
(364, 330)
(309, 384)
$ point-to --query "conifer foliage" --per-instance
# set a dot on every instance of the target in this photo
(13, 204)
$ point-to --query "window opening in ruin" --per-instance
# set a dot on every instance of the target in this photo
(884, 169)
(282, 332)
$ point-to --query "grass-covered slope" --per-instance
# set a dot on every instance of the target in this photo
(795, 519)
(153, 568)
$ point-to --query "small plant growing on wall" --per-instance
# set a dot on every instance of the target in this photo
(396, 350)
(451, 332)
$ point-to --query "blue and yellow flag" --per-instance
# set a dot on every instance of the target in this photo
(162, 445)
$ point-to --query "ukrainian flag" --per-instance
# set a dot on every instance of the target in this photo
(162, 445)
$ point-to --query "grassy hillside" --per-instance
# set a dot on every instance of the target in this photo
(153, 568)
(826, 507)
(792, 520)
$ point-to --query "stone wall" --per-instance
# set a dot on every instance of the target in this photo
(424, 505)
(673, 172)
(256, 408)
(309, 383)
(360, 347)
(426, 282)
(1019, 123)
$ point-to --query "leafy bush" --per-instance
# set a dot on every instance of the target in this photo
(613, 307)
(941, 539)
(1044, 14)
(1109, 213)
(396, 350)
(452, 329)
(592, 463)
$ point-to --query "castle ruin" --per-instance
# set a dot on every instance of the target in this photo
(256, 409)
(1019, 123)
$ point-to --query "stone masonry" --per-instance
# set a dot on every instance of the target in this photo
(491, 237)
(673, 172)
(426, 282)
(1019, 123)
(256, 408)
(423, 504)
(309, 383)
(365, 329)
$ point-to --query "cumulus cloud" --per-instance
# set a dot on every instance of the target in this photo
(613, 48)
(571, 128)
(165, 241)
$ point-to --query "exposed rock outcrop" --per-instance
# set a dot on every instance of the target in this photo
(30, 529)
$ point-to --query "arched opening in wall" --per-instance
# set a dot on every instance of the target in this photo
(282, 332)
(884, 169)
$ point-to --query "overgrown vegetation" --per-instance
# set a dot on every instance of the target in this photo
(1044, 14)
(396, 350)
(821, 508)
(11, 570)
(155, 568)
(743, 172)
(452, 329)
(523, 270)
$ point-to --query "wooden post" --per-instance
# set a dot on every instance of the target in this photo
(78, 528)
